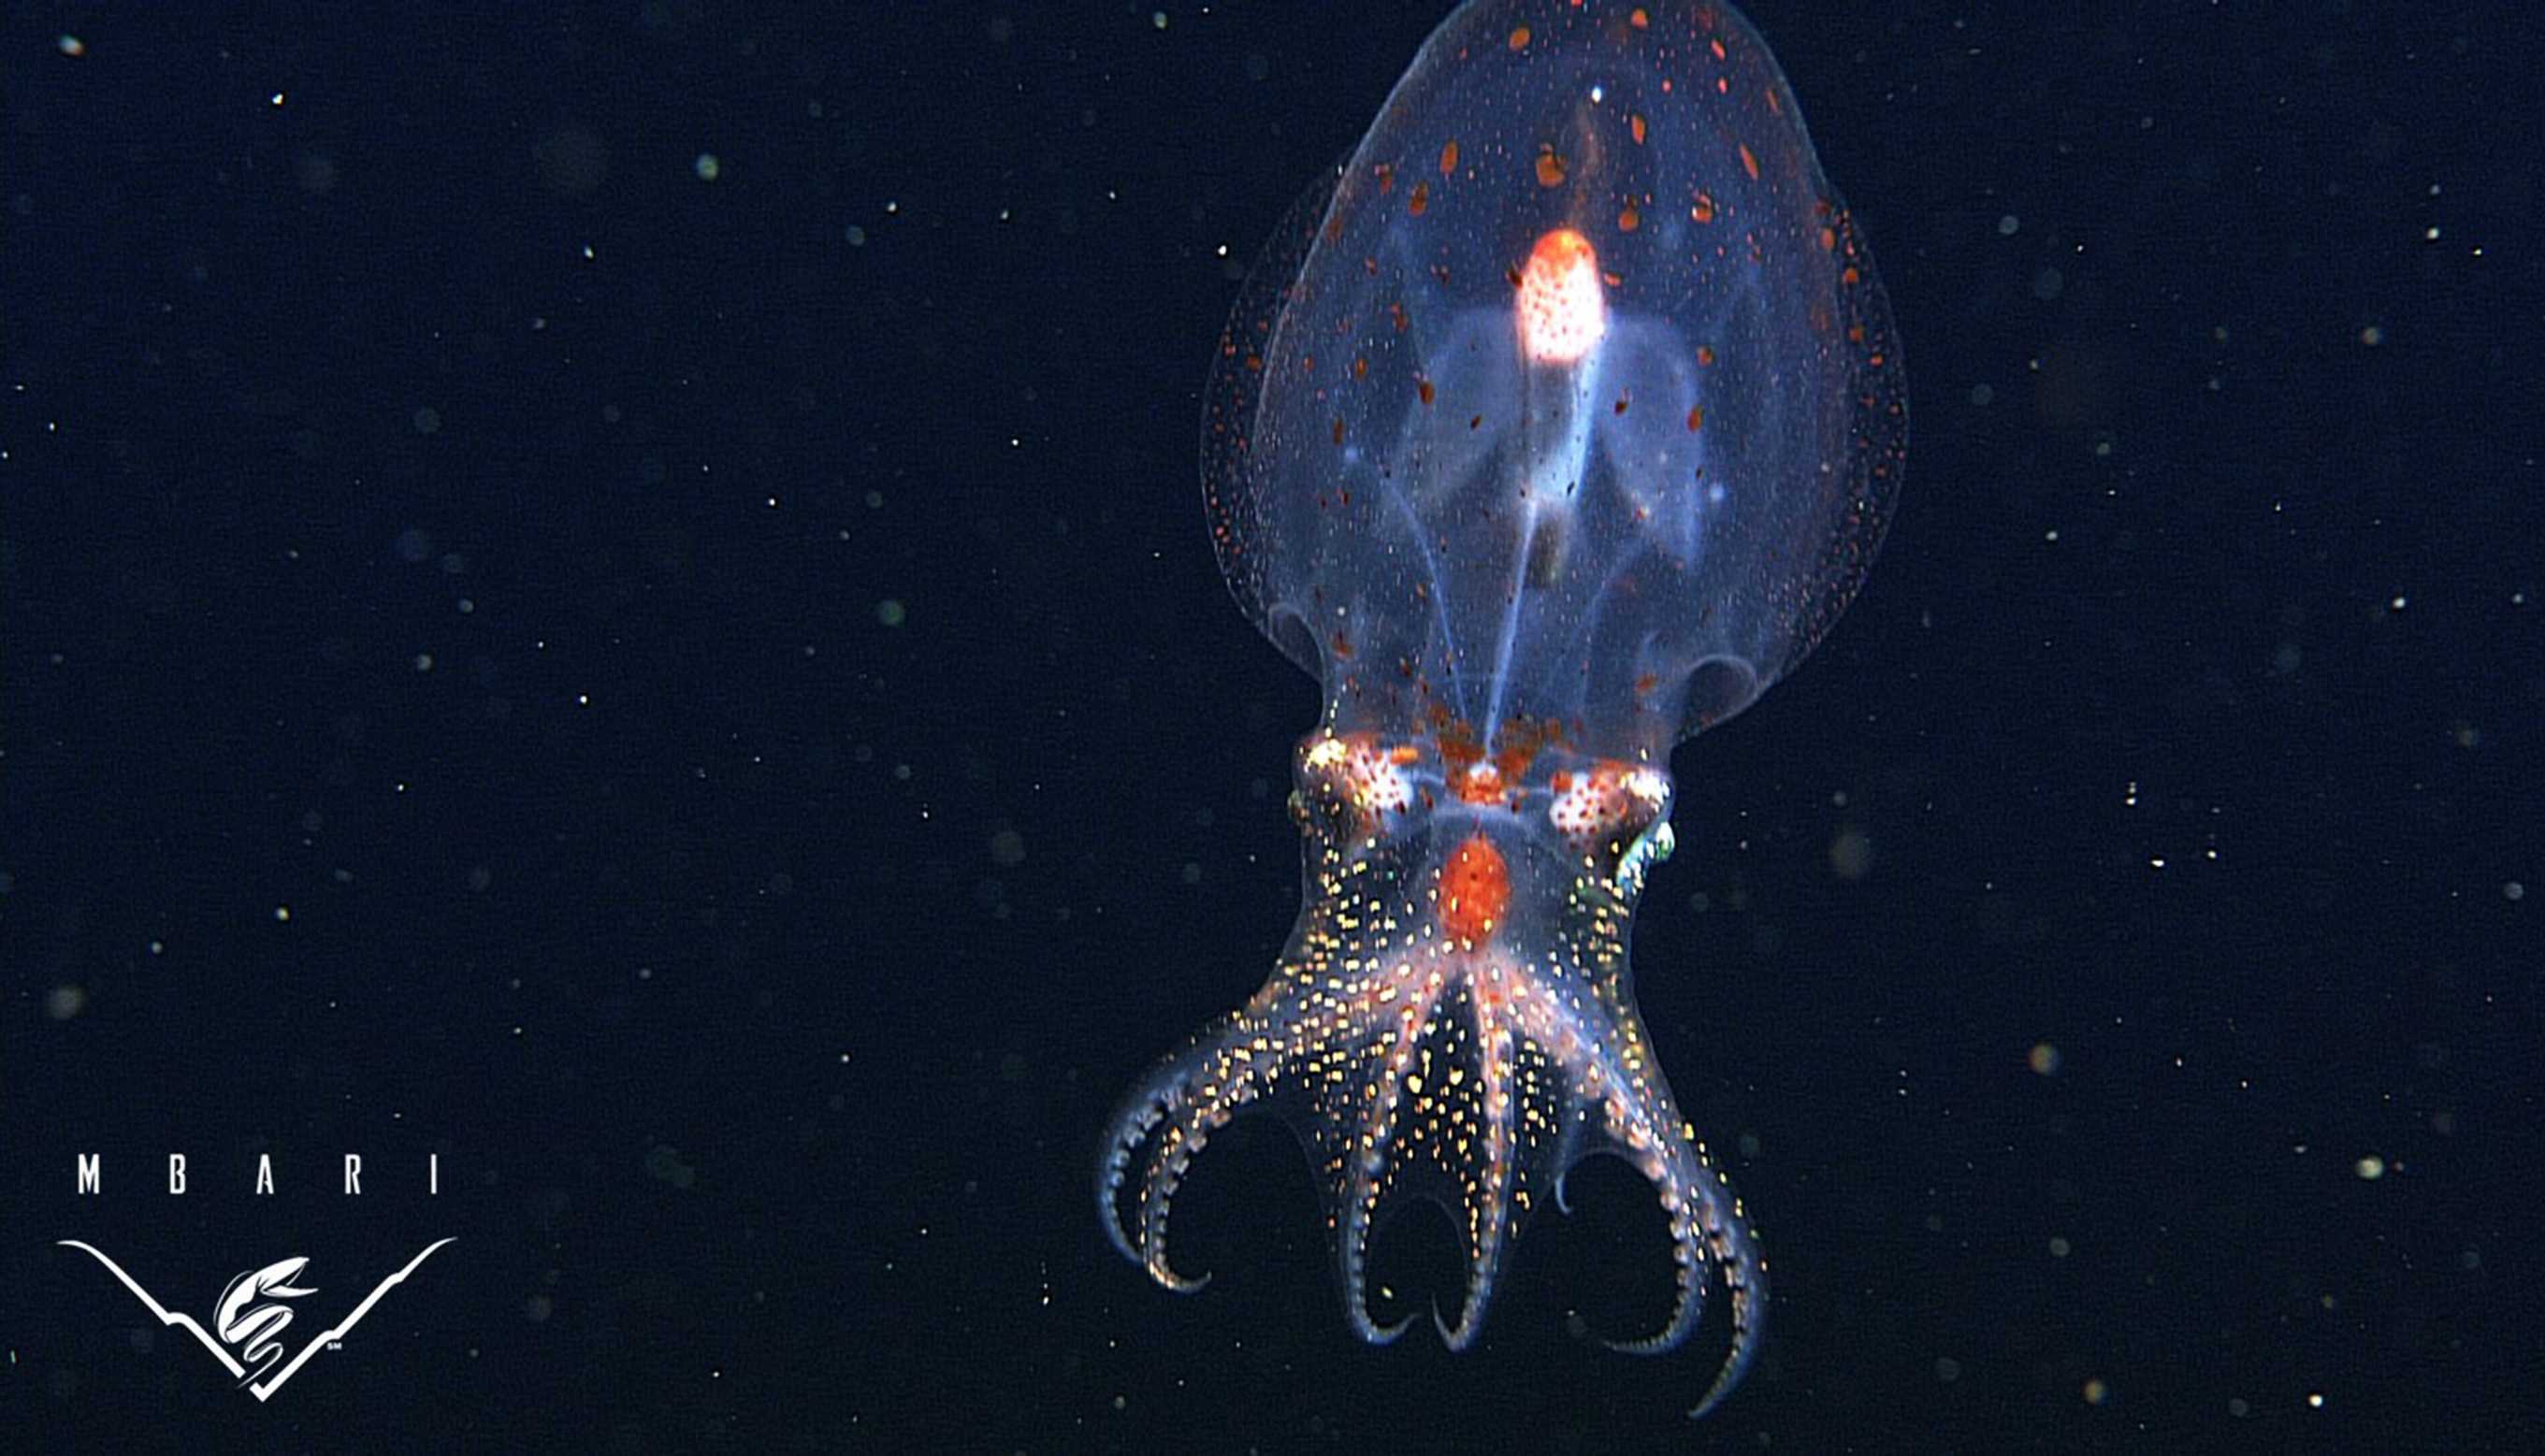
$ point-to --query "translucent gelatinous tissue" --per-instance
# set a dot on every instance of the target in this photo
(1553, 432)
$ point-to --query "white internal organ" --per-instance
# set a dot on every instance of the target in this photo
(1560, 308)
(1560, 329)
(1560, 319)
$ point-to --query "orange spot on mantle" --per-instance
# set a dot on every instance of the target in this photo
(1475, 890)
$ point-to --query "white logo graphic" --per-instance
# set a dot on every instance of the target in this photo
(251, 1326)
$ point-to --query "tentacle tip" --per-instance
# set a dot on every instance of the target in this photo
(1168, 1279)
(1650, 1345)
(1662, 1341)
(1373, 1333)
(1453, 1337)
(1722, 1388)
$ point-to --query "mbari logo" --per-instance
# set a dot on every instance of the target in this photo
(253, 1309)
(249, 1315)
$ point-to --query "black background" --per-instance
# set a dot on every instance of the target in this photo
(449, 705)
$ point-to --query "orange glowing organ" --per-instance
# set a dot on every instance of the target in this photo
(1560, 308)
(1542, 462)
(1475, 890)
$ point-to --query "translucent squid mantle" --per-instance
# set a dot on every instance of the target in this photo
(1553, 429)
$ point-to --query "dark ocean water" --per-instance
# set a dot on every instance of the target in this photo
(607, 607)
